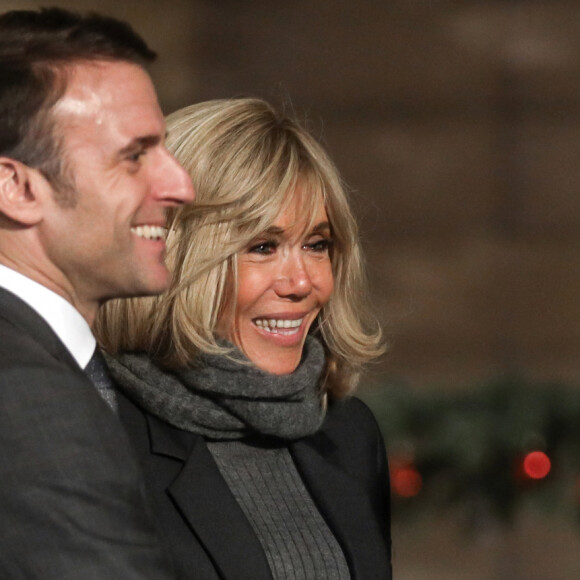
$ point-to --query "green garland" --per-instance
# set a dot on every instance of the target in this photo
(466, 447)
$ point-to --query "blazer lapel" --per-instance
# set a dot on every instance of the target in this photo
(206, 502)
(345, 504)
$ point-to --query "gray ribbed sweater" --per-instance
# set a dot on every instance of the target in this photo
(265, 482)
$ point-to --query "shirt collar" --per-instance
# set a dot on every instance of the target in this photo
(66, 321)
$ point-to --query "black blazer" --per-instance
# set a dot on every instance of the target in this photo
(71, 494)
(206, 532)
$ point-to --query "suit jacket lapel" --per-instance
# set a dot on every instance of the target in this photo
(345, 505)
(28, 320)
(205, 500)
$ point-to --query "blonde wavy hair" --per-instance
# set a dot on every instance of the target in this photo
(247, 161)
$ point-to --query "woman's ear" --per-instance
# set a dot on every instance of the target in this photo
(19, 192)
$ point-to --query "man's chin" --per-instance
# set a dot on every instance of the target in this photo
(155, 289)
(155, 281)
(153, 286)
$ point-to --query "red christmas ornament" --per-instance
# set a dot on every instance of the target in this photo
(537, 465)
(406, 481)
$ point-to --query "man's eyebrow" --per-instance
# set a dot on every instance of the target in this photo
(144, 142)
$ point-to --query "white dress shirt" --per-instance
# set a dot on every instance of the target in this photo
(66, 321)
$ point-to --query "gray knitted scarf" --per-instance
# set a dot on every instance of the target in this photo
(227, 399)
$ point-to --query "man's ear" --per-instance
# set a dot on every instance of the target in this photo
(20, 192)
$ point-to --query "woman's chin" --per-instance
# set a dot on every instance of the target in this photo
(278, 363)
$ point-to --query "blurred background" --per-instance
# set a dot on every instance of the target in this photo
(456, 125)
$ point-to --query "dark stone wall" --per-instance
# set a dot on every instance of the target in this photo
(456, 126)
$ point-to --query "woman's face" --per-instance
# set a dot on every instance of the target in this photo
(284, 279)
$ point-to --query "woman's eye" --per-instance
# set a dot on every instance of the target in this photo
(263, 248)
(320, 246)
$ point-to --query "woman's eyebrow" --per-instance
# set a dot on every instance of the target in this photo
(321, 226)
(278, 231)
(275, 231)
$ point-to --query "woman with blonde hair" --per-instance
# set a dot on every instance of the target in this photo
(235, 385)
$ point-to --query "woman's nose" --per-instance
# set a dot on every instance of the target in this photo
(293, 278)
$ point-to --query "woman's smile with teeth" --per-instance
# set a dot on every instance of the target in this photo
(279, 326)
(149, 232)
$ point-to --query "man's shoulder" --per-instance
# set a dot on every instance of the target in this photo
(31, 375)
(16, 338)
(23, 347)
(26, 338)
(17, 317)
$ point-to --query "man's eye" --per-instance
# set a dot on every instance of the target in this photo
(135, 157)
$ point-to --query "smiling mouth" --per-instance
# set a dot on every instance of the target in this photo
(150, 232)
(279, 326)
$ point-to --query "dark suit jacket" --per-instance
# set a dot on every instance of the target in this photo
(71, 493)
(206, 532)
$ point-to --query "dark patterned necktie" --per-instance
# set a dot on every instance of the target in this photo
(97, 372)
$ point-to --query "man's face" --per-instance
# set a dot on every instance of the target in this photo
(110, 241)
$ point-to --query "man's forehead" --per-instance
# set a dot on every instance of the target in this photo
(104, 92)
(80, 99)
(91, 83)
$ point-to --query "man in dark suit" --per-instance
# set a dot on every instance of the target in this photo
(85, 181)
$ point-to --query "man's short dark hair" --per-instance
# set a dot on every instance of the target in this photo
(36, 47)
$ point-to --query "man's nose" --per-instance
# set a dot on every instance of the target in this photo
(172, 183)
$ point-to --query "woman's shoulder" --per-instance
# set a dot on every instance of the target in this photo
(350, 423)
(353, 412)
(351, 436)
